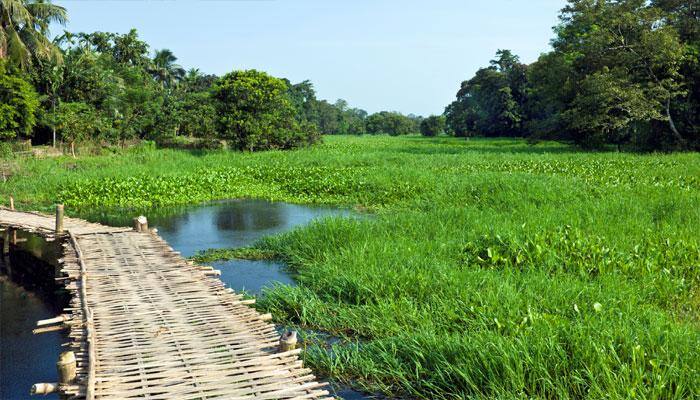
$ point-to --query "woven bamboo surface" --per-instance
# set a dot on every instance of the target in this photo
(146, 323)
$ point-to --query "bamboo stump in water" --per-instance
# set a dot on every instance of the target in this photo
(288, 341)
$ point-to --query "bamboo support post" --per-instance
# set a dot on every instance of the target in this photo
(12, 202)
(288, 341)
(6, 242)
(141, 224)
(59, 218)
(67, 368)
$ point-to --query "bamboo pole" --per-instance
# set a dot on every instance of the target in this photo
(44, 388)
(59, 218)
(67, 368)
(6, 242)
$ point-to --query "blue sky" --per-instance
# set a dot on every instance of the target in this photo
(403, 55)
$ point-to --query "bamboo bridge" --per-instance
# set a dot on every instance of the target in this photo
(143, 322)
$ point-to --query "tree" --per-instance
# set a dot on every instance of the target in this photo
(328, 118)
(682, 15)
(18, 106)
(552, 87)
(256, 112)
(433, 125)
(77, 122)
(391, 123)
(492, 102)
(606, 109)
(165, 70)
(24, 25)
(633, 42)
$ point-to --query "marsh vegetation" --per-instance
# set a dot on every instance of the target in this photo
(489, 267)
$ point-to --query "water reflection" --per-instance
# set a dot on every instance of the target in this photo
(233, 223)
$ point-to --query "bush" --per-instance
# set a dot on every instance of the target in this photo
(18, 105)
(256, 113)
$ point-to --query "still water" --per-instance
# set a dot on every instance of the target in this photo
(28, 293)
(227, 224)
(26, 358)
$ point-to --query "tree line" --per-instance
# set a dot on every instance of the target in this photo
(621, 73)
(109, 88)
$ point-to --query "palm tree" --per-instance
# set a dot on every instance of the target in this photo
(165, 70)
(24, 26)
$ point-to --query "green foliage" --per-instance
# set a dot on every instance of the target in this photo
(23, 28)
(255, 112)
(433, 125)
(490, 103)
(77, 122)
(391, 123)
(165, 70)
(18, 106)
(198, 115)
(621, 72)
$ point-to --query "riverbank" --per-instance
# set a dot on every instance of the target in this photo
(492, 268)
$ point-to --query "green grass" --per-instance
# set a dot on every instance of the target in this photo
(491, 269)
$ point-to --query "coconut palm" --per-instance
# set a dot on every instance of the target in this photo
(165, 70)
(24, 26)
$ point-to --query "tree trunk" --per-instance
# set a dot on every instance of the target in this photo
(72, 149)
(672, 125)
(53, 124)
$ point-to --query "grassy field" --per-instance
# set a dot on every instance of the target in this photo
(489, 268)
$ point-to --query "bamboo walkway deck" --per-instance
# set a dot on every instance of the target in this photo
(146, 323)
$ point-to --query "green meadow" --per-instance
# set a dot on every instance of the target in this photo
(477, 269)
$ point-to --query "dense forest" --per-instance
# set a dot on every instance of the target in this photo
(621, 73)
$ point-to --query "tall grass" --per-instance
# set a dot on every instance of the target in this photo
(491, 268)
